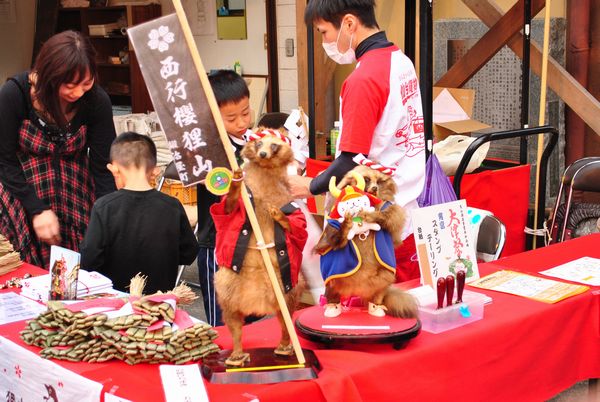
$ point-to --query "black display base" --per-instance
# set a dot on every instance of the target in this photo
(214, 369)
(310, 321)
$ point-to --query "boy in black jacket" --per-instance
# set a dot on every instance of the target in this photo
(137, 229)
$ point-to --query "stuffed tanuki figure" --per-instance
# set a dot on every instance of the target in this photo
(357, 254)
(242, 284)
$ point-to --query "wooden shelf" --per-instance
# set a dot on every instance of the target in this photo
(108, 37)
(80, 18)
(110, 65)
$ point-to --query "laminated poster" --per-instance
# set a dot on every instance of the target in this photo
(444, 242)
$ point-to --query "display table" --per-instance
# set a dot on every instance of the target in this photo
(522, 350)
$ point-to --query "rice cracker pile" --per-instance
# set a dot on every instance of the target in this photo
(154, 331)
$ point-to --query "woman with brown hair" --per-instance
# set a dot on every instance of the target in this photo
(56, 128)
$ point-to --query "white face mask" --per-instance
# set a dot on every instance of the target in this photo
(331, 48)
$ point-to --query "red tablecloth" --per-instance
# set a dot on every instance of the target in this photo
(522, 350)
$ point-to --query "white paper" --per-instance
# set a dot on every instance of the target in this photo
(14, 307)
(584, 270)
(25, 376)
(8, 11)
(183, 383)
(202, 16)
(114, 398)
(446, 109)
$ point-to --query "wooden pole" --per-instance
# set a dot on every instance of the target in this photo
(559, 80)
(542, 119)
(189, 38)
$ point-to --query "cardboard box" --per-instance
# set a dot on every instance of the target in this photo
(452, 115)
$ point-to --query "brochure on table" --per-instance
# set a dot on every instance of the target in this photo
(532, 287)
(444, 242)
(584, 270)
(38, 287)
(14, 307)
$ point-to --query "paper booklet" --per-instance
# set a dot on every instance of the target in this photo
(444, 242)
(532, 287)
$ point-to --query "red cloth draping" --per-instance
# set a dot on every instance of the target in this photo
(522, 350)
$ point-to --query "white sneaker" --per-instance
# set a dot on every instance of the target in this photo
(377, 310)
(333, 310)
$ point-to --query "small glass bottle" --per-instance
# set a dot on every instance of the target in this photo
(237, 67)
(333, 136)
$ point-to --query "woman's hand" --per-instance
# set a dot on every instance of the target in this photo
(299, 186)
(46, 227)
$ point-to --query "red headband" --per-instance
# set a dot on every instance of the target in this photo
(275, 133)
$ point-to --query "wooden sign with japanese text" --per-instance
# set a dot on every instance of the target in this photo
(444, 242)
(178, 98)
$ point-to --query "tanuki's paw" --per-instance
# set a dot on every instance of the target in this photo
(279, 217)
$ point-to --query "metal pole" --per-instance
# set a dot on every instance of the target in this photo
(525, 80)
(426, 69)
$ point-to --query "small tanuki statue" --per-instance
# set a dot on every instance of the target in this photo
(242, 283)
(357, 252)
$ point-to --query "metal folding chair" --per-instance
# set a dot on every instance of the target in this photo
(171, 173)
(581, 175)
(490, 239)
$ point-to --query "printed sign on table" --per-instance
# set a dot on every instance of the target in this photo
(444, 242)
(178, 98)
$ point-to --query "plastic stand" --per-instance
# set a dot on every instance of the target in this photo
(355, 325)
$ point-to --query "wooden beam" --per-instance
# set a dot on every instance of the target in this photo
(301, 55)
(324, 69)
(498, 35)
(560, 81)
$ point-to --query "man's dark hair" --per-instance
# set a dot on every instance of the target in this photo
(228, 86)
(333, 10)
(133, 149)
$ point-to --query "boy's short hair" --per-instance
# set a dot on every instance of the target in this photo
(133, 149)
(228, 86)
(333, 10)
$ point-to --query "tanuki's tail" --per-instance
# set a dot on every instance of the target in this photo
(399, 303)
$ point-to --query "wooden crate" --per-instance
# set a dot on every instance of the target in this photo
(186, 195)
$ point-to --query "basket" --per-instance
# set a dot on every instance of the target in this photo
(186, 195)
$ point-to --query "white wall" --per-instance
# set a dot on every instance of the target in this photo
(16, 40)
(288, 66)
(223, 53)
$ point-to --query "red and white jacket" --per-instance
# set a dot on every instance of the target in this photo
(233, 234)
(382, 118)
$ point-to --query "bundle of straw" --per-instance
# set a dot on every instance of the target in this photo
(9, 259)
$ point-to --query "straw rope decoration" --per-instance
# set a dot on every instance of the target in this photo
(275, 133)
(362, 160)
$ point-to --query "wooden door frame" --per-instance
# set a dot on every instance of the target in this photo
(272, 57)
